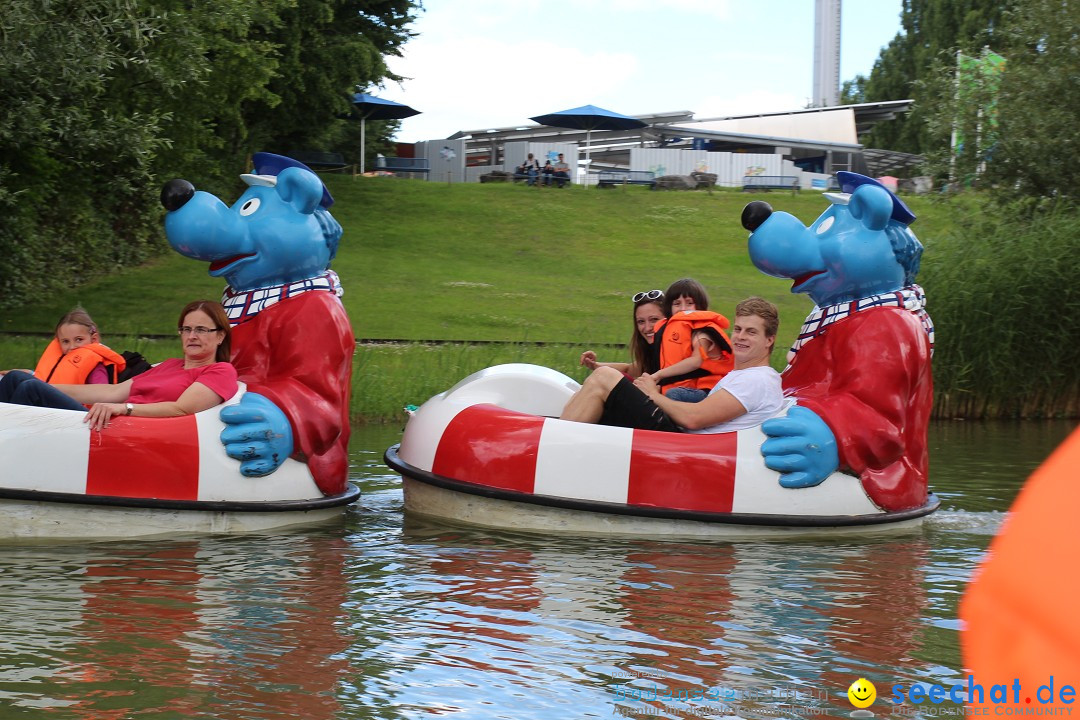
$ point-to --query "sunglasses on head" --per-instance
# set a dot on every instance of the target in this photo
(650, 295)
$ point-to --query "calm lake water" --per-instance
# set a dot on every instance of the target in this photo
(387, 616)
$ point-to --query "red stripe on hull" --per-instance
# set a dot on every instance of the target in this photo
(683, 471)
(490, 446)
(145, 458)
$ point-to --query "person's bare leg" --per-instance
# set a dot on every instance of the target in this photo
(587, 404)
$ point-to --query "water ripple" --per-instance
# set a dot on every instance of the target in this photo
(388, 616)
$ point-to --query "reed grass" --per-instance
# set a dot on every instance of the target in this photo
(387, 377)
(1003, 294)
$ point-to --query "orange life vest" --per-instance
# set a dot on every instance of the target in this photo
(674, 340)
(73, 368)
(1020, 608)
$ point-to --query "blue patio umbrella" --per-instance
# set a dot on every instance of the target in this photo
(369, 107)
(589, 118)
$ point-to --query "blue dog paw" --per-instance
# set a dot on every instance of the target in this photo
(798, 480)
(801, 447)
(258, 468)
(257, 433)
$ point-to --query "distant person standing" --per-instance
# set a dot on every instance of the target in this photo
(562, 171)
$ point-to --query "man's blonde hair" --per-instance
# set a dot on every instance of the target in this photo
(764, 310)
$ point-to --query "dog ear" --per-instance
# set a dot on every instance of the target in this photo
(872, 206)
(300, 188)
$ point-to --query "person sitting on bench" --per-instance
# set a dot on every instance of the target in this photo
(562, 171)
(528, 170)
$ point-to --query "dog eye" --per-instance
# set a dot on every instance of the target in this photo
(249, 207)
(825, 225)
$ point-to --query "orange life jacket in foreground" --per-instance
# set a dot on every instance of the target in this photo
(55, 367)
(674, 342)
(1020, 609)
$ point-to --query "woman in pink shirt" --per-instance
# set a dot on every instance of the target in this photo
(199, 380)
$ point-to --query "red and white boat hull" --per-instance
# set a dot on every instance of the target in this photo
(490, 451)
(140, 476)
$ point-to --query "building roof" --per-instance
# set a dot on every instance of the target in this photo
(679, 128)
(866, 114)
(531, 131)
(889, 162)
(738, 141)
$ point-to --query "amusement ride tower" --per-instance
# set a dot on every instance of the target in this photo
(826, 53)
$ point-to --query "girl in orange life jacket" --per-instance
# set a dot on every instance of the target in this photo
(76, 355)
(648, 312)
(705, 356)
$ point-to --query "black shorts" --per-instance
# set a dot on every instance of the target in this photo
(626, 406)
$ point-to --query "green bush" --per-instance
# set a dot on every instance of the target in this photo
(104, 100)
(1004, 299)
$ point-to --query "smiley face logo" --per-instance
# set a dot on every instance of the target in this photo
(862, 693)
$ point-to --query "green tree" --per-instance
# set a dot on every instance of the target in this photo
(1011, 255)
(75, 162)
(327, 49)
(930, 29)
(1016, 126)
(853, 91)
(218, 61)
(1039, 102)
(104, 99)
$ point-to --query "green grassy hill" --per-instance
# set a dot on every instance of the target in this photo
(431, 261)
(505, 263)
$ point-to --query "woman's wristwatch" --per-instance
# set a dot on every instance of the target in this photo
(128, 407)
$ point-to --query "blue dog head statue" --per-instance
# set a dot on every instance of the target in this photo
(279, 231)
(860, 246)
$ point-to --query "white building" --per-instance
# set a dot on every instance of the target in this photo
(810, 144)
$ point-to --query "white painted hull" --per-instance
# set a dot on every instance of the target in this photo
(491, 451)
(22, 520)
(141, 477)
(475, 510)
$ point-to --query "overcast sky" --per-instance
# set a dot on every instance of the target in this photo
(495, 63)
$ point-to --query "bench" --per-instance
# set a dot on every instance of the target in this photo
(403, 165)
(611, 178)
(321, 160)
(542, 179)
(765, 183)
